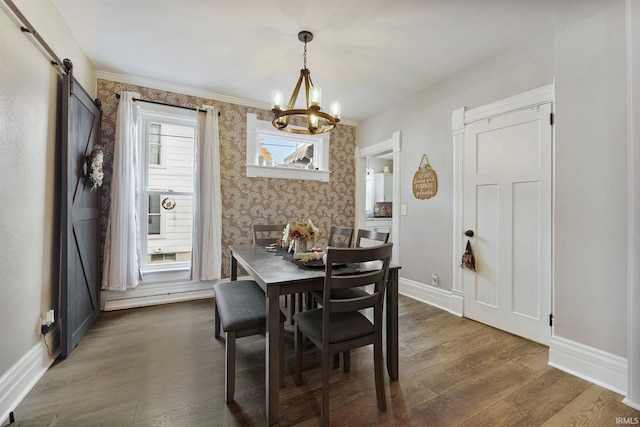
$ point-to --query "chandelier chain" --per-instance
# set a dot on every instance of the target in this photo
(305, 53)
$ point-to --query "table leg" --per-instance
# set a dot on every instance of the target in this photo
(273, 359)
(392, 325)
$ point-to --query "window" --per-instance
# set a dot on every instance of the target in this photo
(166, 187)
(275, 154)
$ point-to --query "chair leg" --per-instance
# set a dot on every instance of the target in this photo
(325, 387)
(336, 361)
(216, 321)
(281, 354)
(346, 359)
(378, 368)
(292, 309)
(298, 344)
(230, 367)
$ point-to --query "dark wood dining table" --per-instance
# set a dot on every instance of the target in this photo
(277, 274)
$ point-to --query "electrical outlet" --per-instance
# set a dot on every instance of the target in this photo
(434, 280)
(45, 324)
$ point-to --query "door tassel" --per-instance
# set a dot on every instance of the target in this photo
(468, 260)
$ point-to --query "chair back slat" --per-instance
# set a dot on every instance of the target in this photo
(370, 238)
(264, 234)
(340, 237)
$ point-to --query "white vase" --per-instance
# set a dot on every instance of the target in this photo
(299, 246)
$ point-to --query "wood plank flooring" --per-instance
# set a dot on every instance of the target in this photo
(161, 366)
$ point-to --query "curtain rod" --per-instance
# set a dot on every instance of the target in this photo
(168, 105)
(26, 27)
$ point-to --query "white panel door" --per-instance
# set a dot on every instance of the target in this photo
(507, 174)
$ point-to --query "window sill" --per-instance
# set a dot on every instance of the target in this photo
(255, 171)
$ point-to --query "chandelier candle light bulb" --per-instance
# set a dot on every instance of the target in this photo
(316, 96)
(277, 99)
(334, 109)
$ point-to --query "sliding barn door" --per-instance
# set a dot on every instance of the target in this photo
(80, 216)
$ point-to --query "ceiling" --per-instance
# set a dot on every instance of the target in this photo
(366, 54)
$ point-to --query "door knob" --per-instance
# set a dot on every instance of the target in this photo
(469, 233)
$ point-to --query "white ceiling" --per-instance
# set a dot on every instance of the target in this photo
(365, 53)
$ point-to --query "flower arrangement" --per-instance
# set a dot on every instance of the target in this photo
(301, 230)
(96, 174)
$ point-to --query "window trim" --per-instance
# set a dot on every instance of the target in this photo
(155, 113)
(257, 128)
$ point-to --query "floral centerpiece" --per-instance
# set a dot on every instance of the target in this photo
(300, 231)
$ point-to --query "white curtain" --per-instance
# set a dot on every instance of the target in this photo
(122, 248)
(206, 255)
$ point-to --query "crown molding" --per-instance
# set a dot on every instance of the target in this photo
(189, 90)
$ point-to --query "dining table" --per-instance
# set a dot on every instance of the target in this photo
(278, 273)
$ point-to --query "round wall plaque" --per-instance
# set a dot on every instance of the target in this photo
(425, 180)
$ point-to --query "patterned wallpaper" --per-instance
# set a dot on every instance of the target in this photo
(248, 200)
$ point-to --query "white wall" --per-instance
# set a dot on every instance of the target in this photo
(425, 121)
(590, 259)
(28, 91)
(633, 316)
(585, 56)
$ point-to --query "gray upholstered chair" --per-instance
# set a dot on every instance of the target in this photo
(339, 326)
(240, 311)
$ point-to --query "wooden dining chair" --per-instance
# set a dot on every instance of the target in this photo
(339, 326)
(240, 311)
(366, 238)
(371, 238)
(264, 234)
(340, 237)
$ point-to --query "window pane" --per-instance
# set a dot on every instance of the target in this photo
(174, 245)
(154, 154)
(286, 152)
(174, 143)
(155, 144)
(154, 214)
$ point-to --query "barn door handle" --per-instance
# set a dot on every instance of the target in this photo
(469, 233)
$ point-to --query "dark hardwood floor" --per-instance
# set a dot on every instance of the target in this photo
(161, 366)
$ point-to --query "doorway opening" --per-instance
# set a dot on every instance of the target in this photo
(378, 195)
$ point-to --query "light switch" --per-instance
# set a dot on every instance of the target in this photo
(403, 210)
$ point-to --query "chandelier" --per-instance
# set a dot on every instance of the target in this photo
(316, 120)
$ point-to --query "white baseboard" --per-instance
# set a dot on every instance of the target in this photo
(437, 297)
(155, 294)
(18, 381)
(596, 366)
